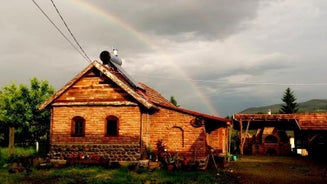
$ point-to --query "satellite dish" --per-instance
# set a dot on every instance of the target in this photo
(105, 57)
(197, 122)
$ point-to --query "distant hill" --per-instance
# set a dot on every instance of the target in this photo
(315, 105)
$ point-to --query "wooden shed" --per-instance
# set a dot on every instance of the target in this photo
(309, 131)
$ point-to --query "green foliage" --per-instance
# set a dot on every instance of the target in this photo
(310, 106)
(235, 141)
(173, 101)
(19, 108)
(290, 106)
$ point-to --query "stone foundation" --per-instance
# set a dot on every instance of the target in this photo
(110, 152)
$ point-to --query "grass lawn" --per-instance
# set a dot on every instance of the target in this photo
(246, 170)
(79, 174)
(18, 151)
(82, 174)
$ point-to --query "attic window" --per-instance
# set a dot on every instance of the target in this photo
(111, 126)
(78, 127)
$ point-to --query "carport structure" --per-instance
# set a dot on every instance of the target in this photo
(310, 129)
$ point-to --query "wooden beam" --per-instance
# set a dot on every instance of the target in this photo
(111, 103)
(310, 139)
(241, 131)
(244, 139)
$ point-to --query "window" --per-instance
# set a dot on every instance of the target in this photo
(111, 126)
(78, 127)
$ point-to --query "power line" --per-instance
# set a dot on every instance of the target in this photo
(71, 33)
(62, 34)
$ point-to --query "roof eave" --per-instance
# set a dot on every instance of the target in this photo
(105, 71)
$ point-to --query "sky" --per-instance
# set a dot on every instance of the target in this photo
(214, 56)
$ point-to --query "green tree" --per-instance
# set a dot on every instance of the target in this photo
(19, 109)
(173, 101)
(290, 105)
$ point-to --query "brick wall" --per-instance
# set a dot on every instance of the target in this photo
(218, 139)
(170, 126)
(95, 120)
(174, 129)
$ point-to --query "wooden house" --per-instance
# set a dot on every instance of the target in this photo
(103, 113)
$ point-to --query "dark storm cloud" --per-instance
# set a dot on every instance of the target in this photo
(230, 53)
(210, 19)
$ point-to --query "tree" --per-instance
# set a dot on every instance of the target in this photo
(173, 101)
(290, 105)
(19, 110)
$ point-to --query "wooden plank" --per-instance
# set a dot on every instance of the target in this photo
(109, 103)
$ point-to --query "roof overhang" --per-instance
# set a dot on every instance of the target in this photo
(256, 121)
(110, 75)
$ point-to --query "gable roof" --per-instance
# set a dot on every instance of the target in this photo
(117, 78)
(159, 100)
(308, 121)
(144, 94)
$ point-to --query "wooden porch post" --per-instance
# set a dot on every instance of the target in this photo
(244, 139)
(241, 139)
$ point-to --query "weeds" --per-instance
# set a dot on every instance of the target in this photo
(18, 152)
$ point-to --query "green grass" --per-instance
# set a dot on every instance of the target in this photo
(18, 152)
(100, 175)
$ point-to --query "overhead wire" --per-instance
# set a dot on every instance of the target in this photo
(62, 34)
(71, 33)
(82, 52)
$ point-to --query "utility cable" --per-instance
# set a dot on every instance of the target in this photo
(71, 33)
(62, 34)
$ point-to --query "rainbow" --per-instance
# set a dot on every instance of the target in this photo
(144, 39)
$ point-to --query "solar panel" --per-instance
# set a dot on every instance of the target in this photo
(126, 75)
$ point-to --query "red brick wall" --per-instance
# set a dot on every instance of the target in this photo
(218, 139)
(170, 126)
(95, 119)
(178, 135)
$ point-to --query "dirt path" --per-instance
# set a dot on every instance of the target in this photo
(281, 170)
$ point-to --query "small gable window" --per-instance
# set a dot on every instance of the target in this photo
(111, 126)
(78, 127)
